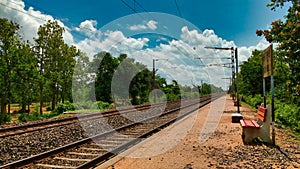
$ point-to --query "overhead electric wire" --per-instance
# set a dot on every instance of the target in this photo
(135, 11)
(125, 3)
(178, 9)
(57, 18)
(21, 11)
(45, 13)
(141, 6)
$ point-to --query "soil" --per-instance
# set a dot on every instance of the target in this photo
(209, 139)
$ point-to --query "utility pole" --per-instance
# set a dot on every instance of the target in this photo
(233, 72)
(154, 81)
(234, 52)
(237, 84)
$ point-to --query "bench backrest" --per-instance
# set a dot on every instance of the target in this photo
(261, 113)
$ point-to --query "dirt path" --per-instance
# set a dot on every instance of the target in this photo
(208, 139)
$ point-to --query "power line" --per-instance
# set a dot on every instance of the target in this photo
(45, 13)
(141, 6)
(178, 9)
(58, 18)
(22, 11)
(144, 10)
(125, 3)
(134, 4)
(134, 10)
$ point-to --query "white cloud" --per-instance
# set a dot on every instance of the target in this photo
(245, 52)
(152, 24)
(111, 41)
(88, 28)
(137, 27)
(149, 25)
(206, 38)
(29, 20)
(183, 55)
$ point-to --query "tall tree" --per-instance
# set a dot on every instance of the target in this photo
(56, 62)
(287, 34)
(24, 76)
(55, 58)
(9, 39)
(66, 67)
(250, 76)
(141, 86)
(39, 49)
(104, 65)
(82, 79)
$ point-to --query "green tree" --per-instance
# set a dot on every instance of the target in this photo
(66, 67)
(9, 40)
(104, 64)
(172, 91)
(250, 76)
(122, 77)
(24, 76)
(287, 34)
(56, 62)
(82, 78)
(205, 88)
(140, 85)
(39, 49)
(55, 58)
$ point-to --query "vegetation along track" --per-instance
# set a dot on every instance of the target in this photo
(94, 150)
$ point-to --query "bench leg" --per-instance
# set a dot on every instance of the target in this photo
(249, 134)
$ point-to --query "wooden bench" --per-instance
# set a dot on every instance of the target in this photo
(252, 129)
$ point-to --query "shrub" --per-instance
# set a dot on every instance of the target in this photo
(253, 101)
(103, 105)
(288, 116)
(8, 118)
(33, 116)
(49, 115)
(63, 107)
(23, 117)
(48, 108)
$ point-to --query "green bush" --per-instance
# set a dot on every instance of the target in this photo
(288, 116)
(33, 116)
(103, 105)
(173, 97)
(253, 101)
(23, 117)
(8, 118)
(69, 106)
(60, 108)
(63, 107)
(48, 108)
(84, 105)
(49, 115)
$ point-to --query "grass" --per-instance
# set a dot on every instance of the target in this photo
(296, 135)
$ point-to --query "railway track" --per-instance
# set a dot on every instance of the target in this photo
(30, 127)
(95, 150)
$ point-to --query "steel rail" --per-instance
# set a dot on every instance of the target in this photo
(67, 120)
(107, 155)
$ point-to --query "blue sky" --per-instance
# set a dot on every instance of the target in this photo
(162, 32)
(234, 20)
